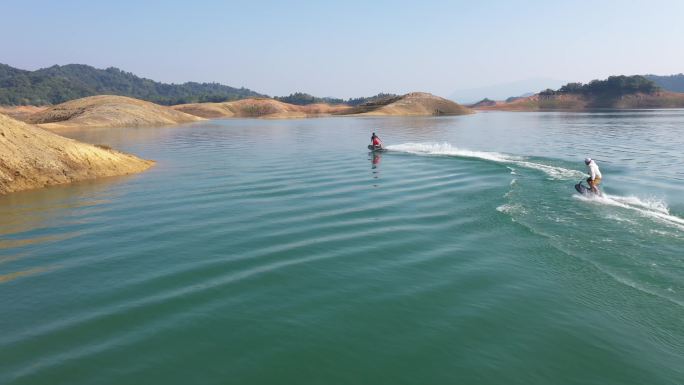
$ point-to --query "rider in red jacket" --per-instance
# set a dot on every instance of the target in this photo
(376, 142)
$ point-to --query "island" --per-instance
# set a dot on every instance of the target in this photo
(616, 92)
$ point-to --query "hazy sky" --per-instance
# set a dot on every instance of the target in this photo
(349, 48)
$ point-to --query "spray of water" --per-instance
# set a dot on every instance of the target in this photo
(653, 209)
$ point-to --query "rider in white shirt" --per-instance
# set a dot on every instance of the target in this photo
(594, 174)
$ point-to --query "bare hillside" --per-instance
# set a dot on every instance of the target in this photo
(412, 104)
(258, 108)
(31, 157)
(108, 111)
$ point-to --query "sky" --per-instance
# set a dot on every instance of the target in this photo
(349, 48)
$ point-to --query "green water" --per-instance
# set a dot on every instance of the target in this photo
(282, 252)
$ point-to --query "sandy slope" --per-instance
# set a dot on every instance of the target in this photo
(258, 108)
(31, 157)
(107, 111)
(412, 104)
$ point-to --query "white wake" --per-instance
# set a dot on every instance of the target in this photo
(650, 208)
(447, 149)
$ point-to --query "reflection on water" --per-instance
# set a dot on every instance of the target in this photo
(118, 137)
(24, 273)
(38, 218)
(27, 210)
(375, 159)
(12, 257)
(6, 243)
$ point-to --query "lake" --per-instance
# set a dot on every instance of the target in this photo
(283, 252)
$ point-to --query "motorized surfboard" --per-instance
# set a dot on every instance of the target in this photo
(376, 149)
(584, 190)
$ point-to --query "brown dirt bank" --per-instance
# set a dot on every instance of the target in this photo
(412, 104)
(107, 111)
(258, 108)
(21, 112)
(31, 157)
(576, 102)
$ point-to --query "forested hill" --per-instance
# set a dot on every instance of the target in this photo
(59, 84)
(616, 92)
(614, 86)
(674, 83)
(303, 99)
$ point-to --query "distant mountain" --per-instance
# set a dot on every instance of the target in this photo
(483, 103)
(505, 90)
(58, 84)
(513, 98)
(674, 83)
